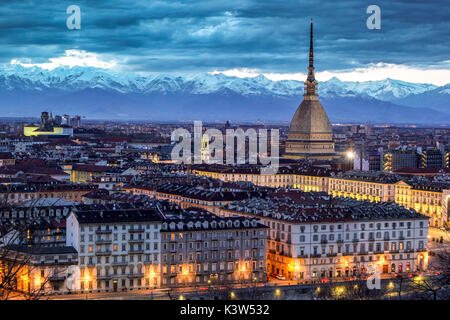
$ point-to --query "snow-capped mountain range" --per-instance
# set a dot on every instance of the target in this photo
(102, 93)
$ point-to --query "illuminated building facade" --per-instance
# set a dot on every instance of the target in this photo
(394, 160)
(118, 249)
(426, 199)
(48, 127)
(203, 249)
(86, 172)
(325, 243)
(38, 270)
(372, 186)
(305, 179)
(431, 158)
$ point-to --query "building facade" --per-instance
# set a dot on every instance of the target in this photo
(326, 243)
(209, 250)
(118, 250)
(310, 135)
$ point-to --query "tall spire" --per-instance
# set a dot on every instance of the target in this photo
(311, 48)
(311, 83)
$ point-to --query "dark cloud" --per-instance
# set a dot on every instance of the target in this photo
(270, 35)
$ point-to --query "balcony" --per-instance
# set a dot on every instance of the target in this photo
(136, 241)
(120, 263)
(340, 241)
(136, 230)
(57, 277)
(101, 241)
(355, 240)
(104, 277)
(99, 231)
(371, 239)
(331, 254)
(136, 251)
(323, 241)
(103, 253)
(136, 275)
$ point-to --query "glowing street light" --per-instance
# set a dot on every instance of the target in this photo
(277, 292)
(232, 295)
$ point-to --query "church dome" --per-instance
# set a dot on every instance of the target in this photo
(310, 117)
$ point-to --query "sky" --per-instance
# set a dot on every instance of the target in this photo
(236, 37)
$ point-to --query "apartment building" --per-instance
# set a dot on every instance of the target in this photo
(201, 248)
(303, 177)
(86, 172)
(361, 185)
(19, 193)
(37, 270)
(118, 249)
(426, 198)
(337, 238)
(394, 160)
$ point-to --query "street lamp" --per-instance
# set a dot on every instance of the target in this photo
(277, 293)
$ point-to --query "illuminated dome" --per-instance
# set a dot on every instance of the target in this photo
(310, 135)
(310, 117)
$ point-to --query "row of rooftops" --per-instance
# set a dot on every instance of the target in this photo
(45, 187)
(207, 194)
(171, 217)
(369, 176)
(105, 195)
(300, 169)
(321, 208)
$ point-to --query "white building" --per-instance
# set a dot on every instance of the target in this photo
(338, 238)
(118, 249)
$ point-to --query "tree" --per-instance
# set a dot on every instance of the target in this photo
(21, 271)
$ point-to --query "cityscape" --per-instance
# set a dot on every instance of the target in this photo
(105, 199)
